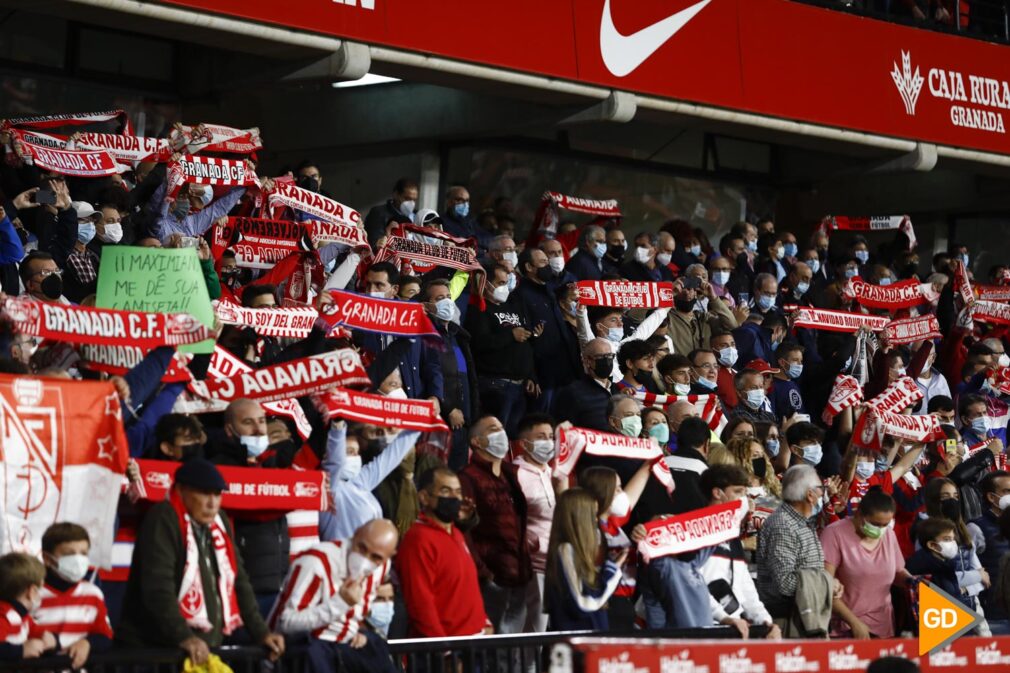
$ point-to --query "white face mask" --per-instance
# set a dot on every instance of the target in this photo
(254, 444)
(1004, 360)
(663, 258)
(642, 255)
(72, 567)
(681, 389)
(407, 208)
(948, 549)
(511, 257)
(350, 469)
(497, 444)
(500, 294)
(542, 450)
(113, 233)
(397, 393)
(377, 295)
(1004, 502)
(557, 264)
(359, 566)
(620, 505)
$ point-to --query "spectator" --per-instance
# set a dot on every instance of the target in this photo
(617, 246)
(675, 371)
(758, 342)
(724, 346)
(704, 371)
(21, 586)
(583, 403)
(689, 328)
(177, 555)
(437, 572)
(587, 264)
(995, 491)
(750, 390)
(937, 556)
(637, 361)
(403, 202)
(457, 220)
(786, 397)
(354, 569)
(643, 267)
(502, 250)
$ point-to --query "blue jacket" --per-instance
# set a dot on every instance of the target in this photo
(580, 608)
(420, 367)
(556, 350)
(995, 547)
(753, 342)
(584, 266)
(467, 228)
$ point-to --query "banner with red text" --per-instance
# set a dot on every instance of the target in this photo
(693, 530)
(382, 410)
(873, 426)
(834, 321)
(999, 293)
(900, 223)
(573, 442)
(911, 330)
(546, 220)
(73, 119)
(899, 395)
(78, 163)
(846, 393)
(991, 312)
(63, 452)
(126, 149)
(216, 138)
(625, 294)
(905, 294)
(314, 204)
(387, 316)
(277, 322)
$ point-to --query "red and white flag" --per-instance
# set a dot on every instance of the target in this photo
(906, 294)
(287, 322)
(203, 170)
(313, 203)
(901, 394)
(873, 426)
(382, 410)
(625, 294)
(845, 394)
(259, 243)
(573, 442)
(693, 530)
(901, 223)
(992, 312)
(63, 452)
(708, 406)
(911, 330)
(386, 316)
(834, 321)
(216, 138)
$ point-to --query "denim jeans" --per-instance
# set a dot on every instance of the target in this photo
(675, 593)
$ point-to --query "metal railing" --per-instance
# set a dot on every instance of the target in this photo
(981, 19)
(519, 653)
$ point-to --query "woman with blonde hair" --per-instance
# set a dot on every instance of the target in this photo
(577, 587)
(749, 453)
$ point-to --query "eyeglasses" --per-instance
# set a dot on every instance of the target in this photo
(45, 273)
(708, 366)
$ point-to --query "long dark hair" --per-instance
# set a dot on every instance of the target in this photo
(931, 496)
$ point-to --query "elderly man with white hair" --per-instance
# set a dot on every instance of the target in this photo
(791, 578)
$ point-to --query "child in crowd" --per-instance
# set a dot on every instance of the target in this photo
(20, 592)
(72, 607)
(936, 557)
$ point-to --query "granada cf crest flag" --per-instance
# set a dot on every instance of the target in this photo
(63, 453)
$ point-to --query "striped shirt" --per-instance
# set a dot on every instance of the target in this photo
(73, 614)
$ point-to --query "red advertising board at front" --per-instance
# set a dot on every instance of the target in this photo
(773, 57)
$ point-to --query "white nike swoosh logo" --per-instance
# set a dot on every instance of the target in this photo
(623, 53)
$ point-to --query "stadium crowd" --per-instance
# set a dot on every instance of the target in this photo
(769, 375)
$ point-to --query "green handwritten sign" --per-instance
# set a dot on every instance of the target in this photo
(156, 280)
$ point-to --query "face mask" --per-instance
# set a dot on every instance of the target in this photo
(755, 398)
(359, 565)
(545, 274)
(381, 616)
(818, 506)
(765, 302)
(708, 383)
(720, 278)
(1004, 360)
(181, 210)
(728, 356)
(695, 250)
(500, 294)
(603, 367)
(377, 295)
(663, 258)
(73, 567)
(497, 444)
(113, 233)
(85, 232)
(685, 305)
(752, 246)
(812, 453)
(309, 182)
(254, 444)
(881, 464)
(772, 447)
(461, 209)
(790, 249)
(850, 272)
(620, 506)
(681, 389)
(542, 450)
(615, 334)
(865, 469)
(600, 249)
(980, 425)
(350, 469)
(885, 281)
(642, 255)
(951, 509)
(397, 394)
(618, 250)
(794, 371)
(573, 307)
(948, 549)
(407, 208)
(760, 467)
(964, 260)
(52, 287)
(511, 257)
(556, 264)
(780, 253)
(444, 309)
(802, 287)
(661, 433)
(512, 282)
(871, 531)
(862, 255)
(447, 509)
(631, 426)
(814, 264)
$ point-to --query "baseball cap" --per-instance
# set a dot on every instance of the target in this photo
(761, 367)
(84, 210)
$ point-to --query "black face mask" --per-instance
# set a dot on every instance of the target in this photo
(545, 273)
(684, 305)
(447, 509)
(951, 509)
(643, 376)
(617, 251)
(603, 367)
(191, 451)
(52, 286)
(760, 467)
(309, 182)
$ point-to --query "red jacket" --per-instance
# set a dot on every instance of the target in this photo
(500, 536)
(439, 582)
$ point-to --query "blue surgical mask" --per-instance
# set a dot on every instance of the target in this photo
(865, 469)
(980, 426)
(881, 464)
(772, 447)
(812, 453)
(181, 210)
(695, 250)
(814, 264)
(573, 306)
(964, 260)
(886, 280)
(863, 256)
(661, 433)
(381, 616)
(255, 445)
(850, 272)
(461, 209)
(720, 278)
(752, 246)
(600, 249)
(755, 398)
(85, 232)
(444, 309)
(790, 249)
(708, 383)
(765, 301)
(512, 282)
(795, 370)
(818, 506)
(615, 334)
(728, 356)
(802, 287)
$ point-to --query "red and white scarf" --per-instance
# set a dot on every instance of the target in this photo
(834, 321)
(418, 253)
(962, 285)
(911, 330)
(305, 376)
(126, 149)
(708, 406)
(216, 138)
(900, 395)
(323, 233)
(625, 294)
(386, 316)
(873, 426)
(573, 442)
(203, 170)
(1001, 379)
(990, 312)
(693, 530)
(313, 203)
(548, 215)
(78, 163)
(192, 601)
(103, 326)
(259, 243)
(906, 294)
(382, 410)
(875, 223)
(999, 293)
(277, 322)
(846, 393)
(73, 119)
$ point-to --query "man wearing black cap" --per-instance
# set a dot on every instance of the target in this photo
(188, 587)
